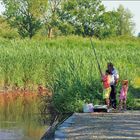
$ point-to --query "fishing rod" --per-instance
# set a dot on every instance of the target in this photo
(96, 57)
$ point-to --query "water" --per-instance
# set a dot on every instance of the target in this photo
(21, 131)
(20, 118)
(12, 134)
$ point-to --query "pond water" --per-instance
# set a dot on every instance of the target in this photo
(21, 131)
(20, 118)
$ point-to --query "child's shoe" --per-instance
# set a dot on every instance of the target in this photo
(109, 110)
(125, 109)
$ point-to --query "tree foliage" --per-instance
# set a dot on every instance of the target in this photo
(25, 15)
(83, 15)
(5, 29)
(115, 23)
(125, 23)
(51, 16)
(138, 34)
(65, 17)
(108, 24)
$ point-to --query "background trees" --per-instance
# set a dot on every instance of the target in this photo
(5, 30)
(125, 22)
(108, 24)
(51, 17)
(138, 34)
(83, 15)
(65, 17)
(25, 15)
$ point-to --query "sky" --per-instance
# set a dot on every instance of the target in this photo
(132, 5)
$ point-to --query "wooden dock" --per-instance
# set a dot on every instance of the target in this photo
(100, 126)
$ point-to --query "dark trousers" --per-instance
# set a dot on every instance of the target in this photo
(113, 96)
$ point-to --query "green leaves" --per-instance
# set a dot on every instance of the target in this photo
(83, 15)
(66, 17)
(125, 23)
(25, 15)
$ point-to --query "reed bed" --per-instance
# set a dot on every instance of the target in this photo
(67, 66)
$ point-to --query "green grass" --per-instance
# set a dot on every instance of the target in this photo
(68, 66)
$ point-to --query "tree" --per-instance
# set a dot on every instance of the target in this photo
(139, 34)
(108, 24)
(115, 23)
(25, 15)
(83, 15)
(51, 16)
(125, 23)
(5, 30)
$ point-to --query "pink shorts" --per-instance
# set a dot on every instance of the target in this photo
(122, 97)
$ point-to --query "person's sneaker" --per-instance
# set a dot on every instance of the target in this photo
(125, 109)
(109, 110)
(119, 110)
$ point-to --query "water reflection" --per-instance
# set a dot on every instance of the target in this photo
(21, 133)
(20, 118)
(12, 134)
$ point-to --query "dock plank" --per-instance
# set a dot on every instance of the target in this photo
(89, 126)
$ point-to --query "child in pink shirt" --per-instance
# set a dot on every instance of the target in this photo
(123, 95)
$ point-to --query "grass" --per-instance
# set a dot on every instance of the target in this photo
(68, 66)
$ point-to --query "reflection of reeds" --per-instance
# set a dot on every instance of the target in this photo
(24, 105)
(15, 106)
(18, 109)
